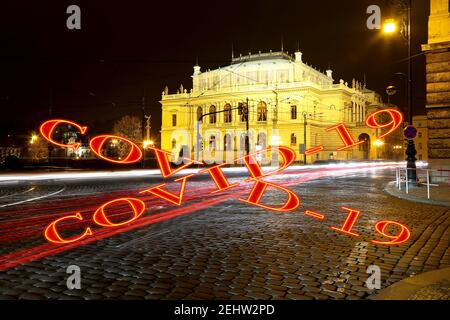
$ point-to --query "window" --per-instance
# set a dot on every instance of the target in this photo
(420, 157)
(242, 111)
(262, 111)
(293, 139)
(242, 141)
(212, 116)
(174, 120)
(227, 142)
(420, 134)
(262, 140)
(227, 113)
(293, 112)
(199, 113)
(174, 143)
(212, 142)
(366, 145)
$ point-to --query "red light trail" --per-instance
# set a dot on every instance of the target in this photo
(40, 251)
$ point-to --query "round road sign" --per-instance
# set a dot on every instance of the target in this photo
(410, 132)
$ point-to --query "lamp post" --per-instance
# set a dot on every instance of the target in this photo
(378, 144)
(305, 114)
(390, 27)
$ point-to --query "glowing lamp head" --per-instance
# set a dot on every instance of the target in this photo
(389, 26)
(148, 143)
(33, 139)
(378, 143)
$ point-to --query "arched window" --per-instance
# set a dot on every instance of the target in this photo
(227, 142)
(212, 116)
(174, 143)
(262, 140)
(199, 113)
(262, 111)
(227, 113)
(212, 142)
(364, 146)
(242, 141)
(242, 111)
(293, 139)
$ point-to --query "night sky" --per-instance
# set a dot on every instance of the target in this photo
(129, 49)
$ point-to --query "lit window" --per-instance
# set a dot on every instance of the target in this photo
(227, 113)
(293, 112)
(212, 116)
(262, 111)
(293, 139)
(242, 111)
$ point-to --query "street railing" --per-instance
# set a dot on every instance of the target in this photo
(423, 178)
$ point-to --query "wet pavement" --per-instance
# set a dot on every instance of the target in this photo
(215, 246)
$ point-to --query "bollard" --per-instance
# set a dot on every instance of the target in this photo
(406, 174)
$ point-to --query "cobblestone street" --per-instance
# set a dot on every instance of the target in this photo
(229, 250)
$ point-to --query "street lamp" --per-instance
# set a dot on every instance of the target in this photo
(378, 144)
(305, 115)
(389, 26)
(148, 143)
(410, 150)
(33, 139)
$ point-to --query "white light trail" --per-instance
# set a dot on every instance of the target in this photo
(33, 199)
(15, 178)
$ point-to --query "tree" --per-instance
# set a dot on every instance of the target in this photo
(129, 127)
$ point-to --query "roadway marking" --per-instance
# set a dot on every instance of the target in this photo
(13, 194)
(33, 199)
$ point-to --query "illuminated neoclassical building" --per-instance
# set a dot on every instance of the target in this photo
(282, 92)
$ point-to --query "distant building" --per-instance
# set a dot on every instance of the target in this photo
(438, 83)
(10, 146)
(282, 91)
(421, 141)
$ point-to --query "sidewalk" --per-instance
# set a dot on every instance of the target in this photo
(439, 195)
(432, 285)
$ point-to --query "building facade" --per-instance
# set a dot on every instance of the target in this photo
(438, 84)
(421, 141)
(289, 103)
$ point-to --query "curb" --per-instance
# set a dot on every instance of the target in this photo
(407, 288)
(391, 190)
